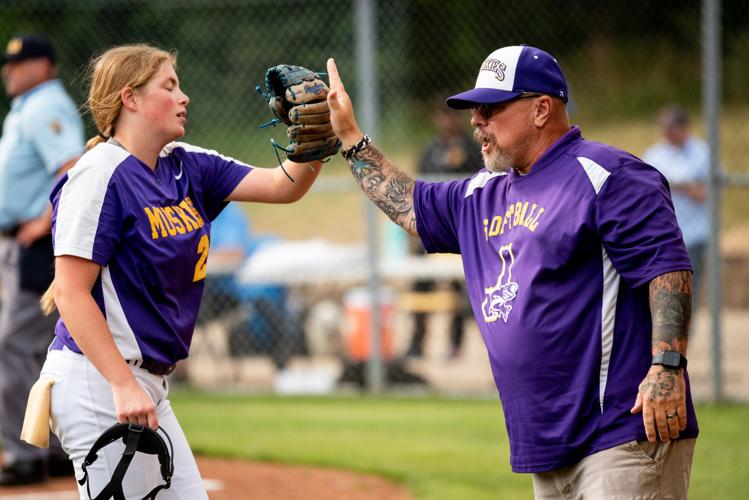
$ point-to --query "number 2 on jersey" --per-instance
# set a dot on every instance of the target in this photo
(203, 246)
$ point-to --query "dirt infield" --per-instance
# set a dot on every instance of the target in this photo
(234, 479)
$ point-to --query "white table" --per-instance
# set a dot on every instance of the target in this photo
(318, 262)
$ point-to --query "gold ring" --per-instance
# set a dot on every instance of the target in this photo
(671, 415)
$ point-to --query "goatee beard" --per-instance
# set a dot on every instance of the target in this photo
(496, 161)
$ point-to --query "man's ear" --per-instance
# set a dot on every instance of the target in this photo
(127, 96)
(542, 110)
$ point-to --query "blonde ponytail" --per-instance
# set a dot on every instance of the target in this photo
(91, 143)
(48, 300)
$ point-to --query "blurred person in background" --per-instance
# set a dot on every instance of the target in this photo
(131, 231)
(259, 318)
(42, 138)
(451, 153)
(684, 160)
(577, 274)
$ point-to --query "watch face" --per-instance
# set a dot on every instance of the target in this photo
(672, 358)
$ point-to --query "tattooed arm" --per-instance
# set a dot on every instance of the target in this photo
(389, 188)
(671, 308)
(662, 393)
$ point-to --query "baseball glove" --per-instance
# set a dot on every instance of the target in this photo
(297, 97)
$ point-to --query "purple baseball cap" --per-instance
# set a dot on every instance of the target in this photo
(510, 71)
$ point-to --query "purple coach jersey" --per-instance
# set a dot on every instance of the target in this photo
(149, 230)
(557, 265)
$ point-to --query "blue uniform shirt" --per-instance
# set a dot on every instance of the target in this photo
(41, 133)
(688, 163)
(149, 230)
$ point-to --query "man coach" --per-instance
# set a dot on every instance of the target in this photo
(42, 137)
(577, 275)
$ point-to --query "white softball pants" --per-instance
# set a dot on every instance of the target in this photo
(82, 407)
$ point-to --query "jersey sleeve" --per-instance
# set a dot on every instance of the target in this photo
(635, 220)
(56, 131)
(87, 215)
(437, 206)
(219, 176)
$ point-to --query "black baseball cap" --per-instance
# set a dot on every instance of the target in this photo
(22, 47)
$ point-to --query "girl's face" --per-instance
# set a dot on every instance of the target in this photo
(163, 104)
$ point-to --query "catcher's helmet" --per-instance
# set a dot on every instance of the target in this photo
(136, 438)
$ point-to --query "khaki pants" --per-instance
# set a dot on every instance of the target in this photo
(633, 470)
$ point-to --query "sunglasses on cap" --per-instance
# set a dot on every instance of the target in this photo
(486, 111)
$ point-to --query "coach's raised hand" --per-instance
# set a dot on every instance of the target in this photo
(341, 109)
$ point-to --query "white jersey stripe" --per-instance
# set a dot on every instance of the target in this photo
(123, 335)
(78, 213)
(597, 176)
(596, 173)
(479, 180)
(197, 149)
(608, 319)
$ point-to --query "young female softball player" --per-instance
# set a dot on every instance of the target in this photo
(131, 227)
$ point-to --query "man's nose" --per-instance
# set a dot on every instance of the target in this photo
(477, 119)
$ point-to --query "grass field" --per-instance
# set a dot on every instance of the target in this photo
(437, 448)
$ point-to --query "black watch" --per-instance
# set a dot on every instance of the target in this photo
(670, 359)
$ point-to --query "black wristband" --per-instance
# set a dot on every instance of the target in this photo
(670, 359)
(356, 148)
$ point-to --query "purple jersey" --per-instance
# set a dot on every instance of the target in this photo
(557, 265)
(149, 230)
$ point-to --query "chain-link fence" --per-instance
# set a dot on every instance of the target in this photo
(286, 303)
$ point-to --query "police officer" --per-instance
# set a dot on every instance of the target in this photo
(42, 137)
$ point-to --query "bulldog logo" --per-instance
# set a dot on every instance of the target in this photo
(497, 299)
